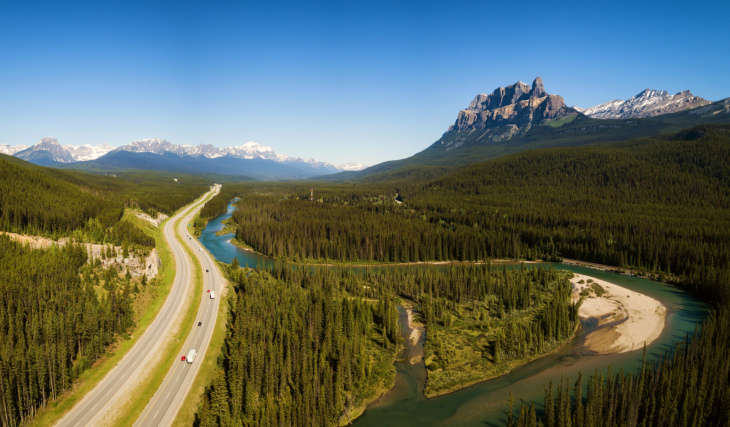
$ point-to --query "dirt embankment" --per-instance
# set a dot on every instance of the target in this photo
(137, 264)
(154, 221)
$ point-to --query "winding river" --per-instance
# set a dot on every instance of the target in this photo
(486, 402)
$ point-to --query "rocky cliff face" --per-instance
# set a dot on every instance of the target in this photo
(648, 103)
(512, 109)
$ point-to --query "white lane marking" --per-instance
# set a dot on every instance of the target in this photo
(158, 411)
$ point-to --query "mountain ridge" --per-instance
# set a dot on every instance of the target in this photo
(647, 103)
(48, 152)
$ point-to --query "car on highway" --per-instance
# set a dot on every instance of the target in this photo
(206, 270)
(200, 323)
(208, 290)
(182, 359)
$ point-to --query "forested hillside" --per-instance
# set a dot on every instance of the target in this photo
(657, 205)
(59, 313)
(53, 323)
(48, 202)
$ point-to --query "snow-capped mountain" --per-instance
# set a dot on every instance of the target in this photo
(648, 103)
(249, 150)
(11, 149)
(250, 159)
(45, 152)
(352, 166)
(87, 152)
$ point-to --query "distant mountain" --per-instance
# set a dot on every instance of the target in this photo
(352, 166)
(86, 152)
(250, 159)
(46, 152)
(11, 149)
(648, 103)
(258, 168)
(249, 150)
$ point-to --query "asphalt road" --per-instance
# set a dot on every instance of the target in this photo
(166, 402)
(116, 383)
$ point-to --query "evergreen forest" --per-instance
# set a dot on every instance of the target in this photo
(658, 206)
(57, 315)
(304, 345)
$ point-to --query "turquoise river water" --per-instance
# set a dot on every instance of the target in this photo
(485, 404)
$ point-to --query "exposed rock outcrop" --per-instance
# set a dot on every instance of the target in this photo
(517, 105)
(154, 221)
(135, 263)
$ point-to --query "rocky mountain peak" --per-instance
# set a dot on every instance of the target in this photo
(516, 106)
(46, 151)
(538, 90)
(46, 144)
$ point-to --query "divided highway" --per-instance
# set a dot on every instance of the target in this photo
(116, 383)
(166, 402)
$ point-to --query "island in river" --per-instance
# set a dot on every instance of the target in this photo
(620, 320)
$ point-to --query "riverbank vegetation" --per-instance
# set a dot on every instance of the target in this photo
(688, 387)
(482, 323)
(301, 350)
(306, 346)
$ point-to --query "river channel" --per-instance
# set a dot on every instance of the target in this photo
(486, 403)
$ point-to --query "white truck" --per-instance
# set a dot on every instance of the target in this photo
(212, 295)
(191, 356)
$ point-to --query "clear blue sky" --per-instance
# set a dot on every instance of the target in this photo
(341, 81)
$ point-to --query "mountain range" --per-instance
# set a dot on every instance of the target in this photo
(509, 119)
(648, 103)
(251, 159)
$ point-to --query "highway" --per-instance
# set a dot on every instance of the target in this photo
(166, 402)
(116, 383)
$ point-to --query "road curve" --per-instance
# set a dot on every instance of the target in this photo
(168, 399)
(114, 385)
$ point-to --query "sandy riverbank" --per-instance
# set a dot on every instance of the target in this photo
(415, 348)
(626, 320)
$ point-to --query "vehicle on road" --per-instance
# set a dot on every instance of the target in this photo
(212, 295)
(206, 270)
(182, 359)
(200, 249)
(200, 323)
(208, 290)
(191, 356)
